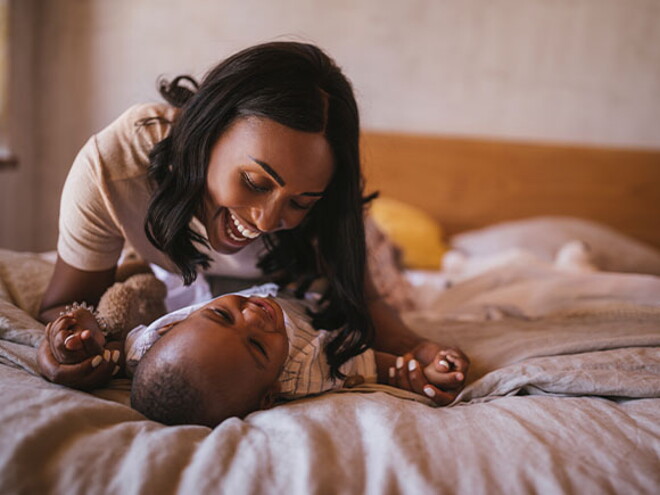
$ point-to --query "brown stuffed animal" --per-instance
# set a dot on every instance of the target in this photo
(138, 300)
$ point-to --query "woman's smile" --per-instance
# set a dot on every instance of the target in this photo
(237, 230)
(262, 177)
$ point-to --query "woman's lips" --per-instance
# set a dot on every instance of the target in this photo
(237, 230)
(231, 233)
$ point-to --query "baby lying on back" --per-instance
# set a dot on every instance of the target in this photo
(242, 352)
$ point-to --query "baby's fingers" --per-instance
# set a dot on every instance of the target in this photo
(67, 347)
(458, 360)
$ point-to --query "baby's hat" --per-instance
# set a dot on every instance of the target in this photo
(140, 339)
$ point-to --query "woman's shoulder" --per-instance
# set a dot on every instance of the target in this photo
(124, 145)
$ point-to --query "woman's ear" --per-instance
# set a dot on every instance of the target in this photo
(271, 395)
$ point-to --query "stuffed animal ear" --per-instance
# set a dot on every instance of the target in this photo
(137, 301)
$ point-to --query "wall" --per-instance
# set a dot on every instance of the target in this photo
(582, 71)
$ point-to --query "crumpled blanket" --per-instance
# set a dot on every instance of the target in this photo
(565, 401)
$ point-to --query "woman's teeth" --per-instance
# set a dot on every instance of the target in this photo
(245, 232)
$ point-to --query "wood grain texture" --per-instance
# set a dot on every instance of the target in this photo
(470, 183)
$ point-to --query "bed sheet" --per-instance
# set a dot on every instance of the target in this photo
(562, 400)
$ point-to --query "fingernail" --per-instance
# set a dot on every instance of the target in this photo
(106, 355)
(399, 362)
(392, 371)
(96, 361)
(444, 363)
(459, 377)
(115, 371)
(412, 364)
(429, 391)
(115, 356)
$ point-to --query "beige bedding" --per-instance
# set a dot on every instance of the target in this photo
(561, 399)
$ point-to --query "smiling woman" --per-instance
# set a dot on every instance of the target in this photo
(253, 172)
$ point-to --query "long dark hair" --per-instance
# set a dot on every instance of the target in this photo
(299, 86)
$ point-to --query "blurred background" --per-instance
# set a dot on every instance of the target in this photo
(568, 71)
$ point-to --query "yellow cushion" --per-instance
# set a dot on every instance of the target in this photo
(412, 230)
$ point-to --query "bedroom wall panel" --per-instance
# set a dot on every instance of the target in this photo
(585, 71)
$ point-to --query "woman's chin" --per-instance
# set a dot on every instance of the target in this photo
(224, 245)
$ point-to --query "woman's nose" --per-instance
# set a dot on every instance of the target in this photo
(268, 218)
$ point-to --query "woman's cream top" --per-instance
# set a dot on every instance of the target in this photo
(106, 194)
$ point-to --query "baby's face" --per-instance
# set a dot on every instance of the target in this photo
(234, 346)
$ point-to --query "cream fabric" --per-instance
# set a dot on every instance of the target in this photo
(563, 402)
(106, 194)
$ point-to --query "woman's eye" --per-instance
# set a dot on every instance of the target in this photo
(226, 315)
(299, 206)
(253, 185)
(259, 347)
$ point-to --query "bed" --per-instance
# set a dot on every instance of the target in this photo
(563, 395)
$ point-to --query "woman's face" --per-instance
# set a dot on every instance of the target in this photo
(262, 177)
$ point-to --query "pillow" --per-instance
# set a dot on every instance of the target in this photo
(413, 231)
(544, 236)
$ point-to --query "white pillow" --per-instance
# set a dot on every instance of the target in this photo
(544, 236)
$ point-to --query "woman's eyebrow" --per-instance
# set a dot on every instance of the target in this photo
(269, 170)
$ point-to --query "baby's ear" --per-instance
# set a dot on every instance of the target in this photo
(270, 397)
(166, 328)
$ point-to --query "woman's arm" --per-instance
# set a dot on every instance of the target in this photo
(69, 285)
(392, 335)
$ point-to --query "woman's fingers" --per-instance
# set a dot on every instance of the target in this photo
(93, 343)
(93, 372)
(420, 384)
(68, 347)
(440, 397)
(73, 342)
(401, 365)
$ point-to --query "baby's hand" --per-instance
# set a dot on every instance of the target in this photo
(74, 337)
(447, 369)
(74, 352)
(432, 370)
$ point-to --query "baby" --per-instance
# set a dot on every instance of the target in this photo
(242, 352)
(233, 355)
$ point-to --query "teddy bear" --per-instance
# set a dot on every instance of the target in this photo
(136, 298)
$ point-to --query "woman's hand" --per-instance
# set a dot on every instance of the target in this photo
(74, 352)
(74, 336)
(431, 370)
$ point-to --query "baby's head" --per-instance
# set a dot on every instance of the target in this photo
(222, 360)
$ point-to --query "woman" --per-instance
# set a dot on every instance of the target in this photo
(257, 169)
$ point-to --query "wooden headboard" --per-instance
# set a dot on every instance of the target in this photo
(470, 183)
